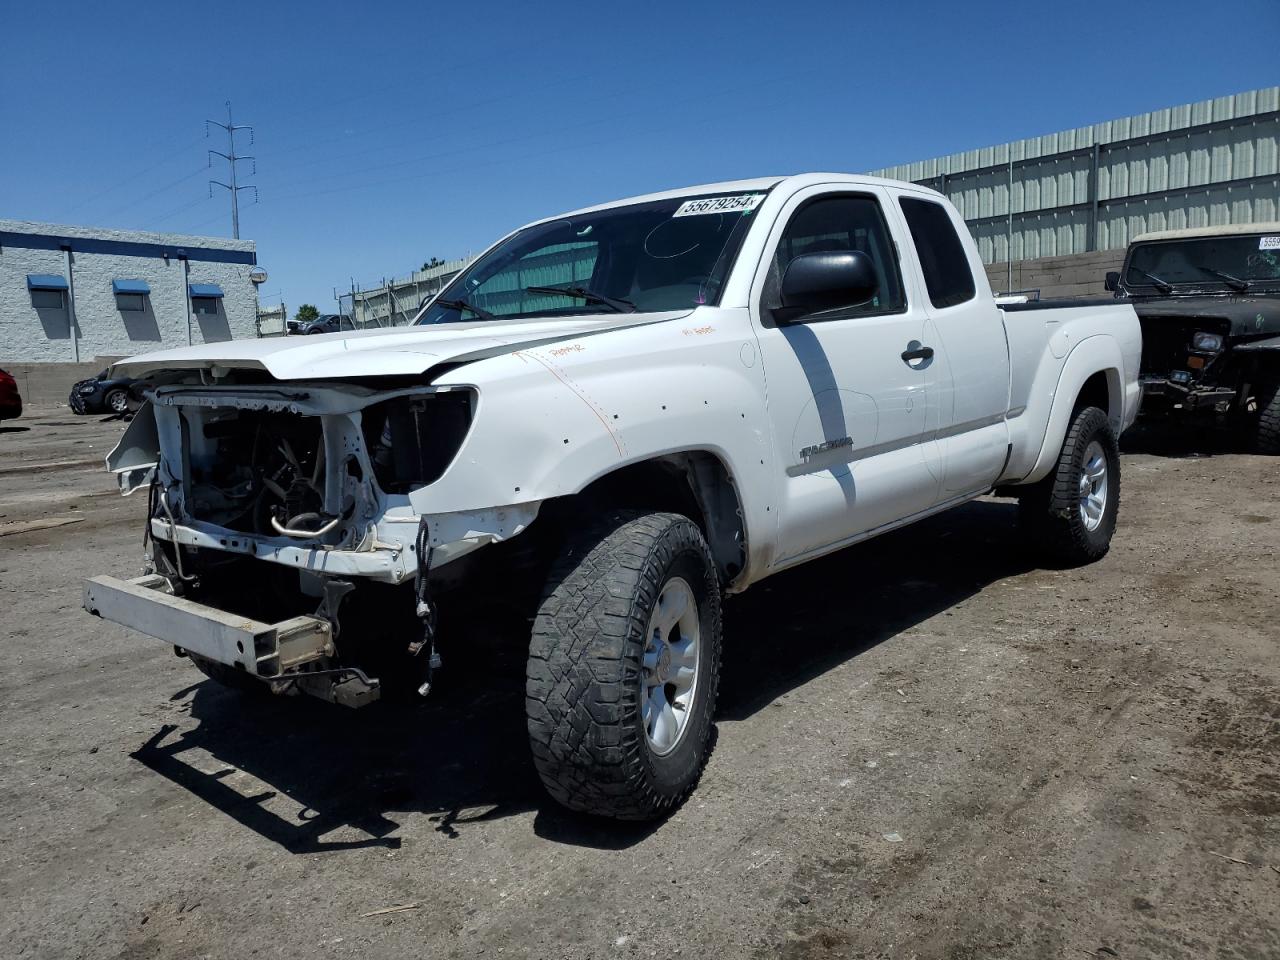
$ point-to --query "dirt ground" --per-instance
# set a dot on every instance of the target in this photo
(924, 749)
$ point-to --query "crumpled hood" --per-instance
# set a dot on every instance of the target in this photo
(384, 352)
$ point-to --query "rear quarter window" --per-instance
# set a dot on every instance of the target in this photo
(943, 259)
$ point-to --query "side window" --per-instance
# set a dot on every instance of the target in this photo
(942, 256)
(845, 222)
(204, 306)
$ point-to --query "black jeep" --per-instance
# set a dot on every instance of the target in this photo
(1209, 303)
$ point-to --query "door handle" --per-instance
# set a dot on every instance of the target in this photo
(919, 353)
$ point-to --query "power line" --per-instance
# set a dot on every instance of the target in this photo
(186, 206)
(155, 193)
(232, 159)
(132, 177)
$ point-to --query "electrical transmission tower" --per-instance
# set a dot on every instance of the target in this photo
(232, 158)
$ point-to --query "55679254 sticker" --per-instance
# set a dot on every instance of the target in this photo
(735, 203)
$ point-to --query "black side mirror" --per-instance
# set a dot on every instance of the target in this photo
(814, 282)
(1113, 279)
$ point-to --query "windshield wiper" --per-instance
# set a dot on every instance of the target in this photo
(582, 293)
(1234, 282)
(1164, 286)
(461, 305)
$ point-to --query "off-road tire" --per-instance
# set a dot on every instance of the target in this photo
(1049, 511)
(1266, 435)
(583, 679)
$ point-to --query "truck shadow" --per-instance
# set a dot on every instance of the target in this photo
(1182, 440)
(330, 779)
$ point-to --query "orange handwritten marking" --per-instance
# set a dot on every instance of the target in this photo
(572, 348)
(698, 331)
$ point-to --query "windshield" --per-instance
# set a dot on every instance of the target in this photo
(1235, 262)
(662, 255)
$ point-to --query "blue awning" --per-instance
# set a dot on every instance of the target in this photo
(205, 290)
(130, 286)
(45, 281)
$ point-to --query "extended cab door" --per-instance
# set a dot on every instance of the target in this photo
(966, 328)
(847, 388)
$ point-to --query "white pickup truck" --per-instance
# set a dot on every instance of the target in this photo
(622, 413)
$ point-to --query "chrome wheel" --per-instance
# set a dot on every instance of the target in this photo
(669, 674)
(1093, 486)
(118, 401)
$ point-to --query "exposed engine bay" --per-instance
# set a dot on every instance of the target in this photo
(260, 472)
(284, 535)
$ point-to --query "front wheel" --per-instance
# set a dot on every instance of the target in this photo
(1266, 436)
(1069, 517)
(624, 665)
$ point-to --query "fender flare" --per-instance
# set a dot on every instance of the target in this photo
(1092, 355)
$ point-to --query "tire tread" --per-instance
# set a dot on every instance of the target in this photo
(584, 659)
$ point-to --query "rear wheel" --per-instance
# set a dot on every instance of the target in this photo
(1069, 517)
(624, 665)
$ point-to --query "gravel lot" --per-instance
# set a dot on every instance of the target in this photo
(925, 749)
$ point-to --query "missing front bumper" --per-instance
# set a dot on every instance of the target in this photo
(282, 654)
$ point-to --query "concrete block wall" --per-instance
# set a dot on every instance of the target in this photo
(49, 384)
(99, 257)
(1073, 276)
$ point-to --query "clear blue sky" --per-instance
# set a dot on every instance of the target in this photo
(387, 133)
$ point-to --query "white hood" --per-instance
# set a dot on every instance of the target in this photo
(385, 352)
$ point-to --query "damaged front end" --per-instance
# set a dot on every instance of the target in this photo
(284, 543)
(1186, 365)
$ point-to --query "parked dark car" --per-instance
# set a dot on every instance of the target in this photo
(10, 399)
(104, 394)
(328, 323)
(1208, 300)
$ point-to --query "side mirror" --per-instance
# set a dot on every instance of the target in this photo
(1113, 279)
(814, 282)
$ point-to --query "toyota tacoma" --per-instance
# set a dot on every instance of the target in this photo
(622, 414)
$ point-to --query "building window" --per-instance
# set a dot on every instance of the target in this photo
(204, 298)
(48, 299)
(131, 294)
(48, 291)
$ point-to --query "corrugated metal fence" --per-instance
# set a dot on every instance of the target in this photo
(1096, 187)
(396, 302)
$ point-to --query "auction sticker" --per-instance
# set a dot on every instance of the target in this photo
(1264, 243)
(738, 203)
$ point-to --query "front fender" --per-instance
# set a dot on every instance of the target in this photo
(551, 420)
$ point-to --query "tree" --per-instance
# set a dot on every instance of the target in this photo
(433, 262)
(306, 313)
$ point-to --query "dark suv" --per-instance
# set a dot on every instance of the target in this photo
(104, 394)
(1209, 303)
